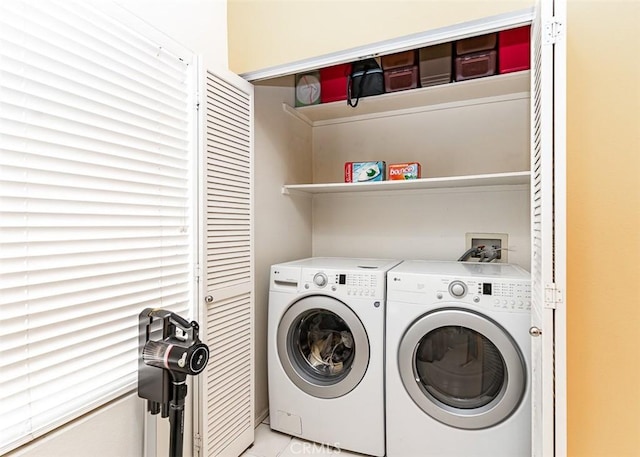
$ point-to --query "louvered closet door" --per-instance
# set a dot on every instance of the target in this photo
(548, 223)
(228, 387)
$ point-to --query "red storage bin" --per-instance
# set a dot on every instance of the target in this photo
(475, 65)
(333, 83)
(401, 79)
(514, 50)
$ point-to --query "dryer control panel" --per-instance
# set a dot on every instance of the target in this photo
(495, 293)
(504, 295)
(499, 287)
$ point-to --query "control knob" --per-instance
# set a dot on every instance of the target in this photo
(458, 289)
(320, 279)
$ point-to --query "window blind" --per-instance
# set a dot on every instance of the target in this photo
(96, 172)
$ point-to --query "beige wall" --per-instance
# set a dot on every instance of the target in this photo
(266, 33)
(603, 167)
(282, 223)
(603, 90)
(199, 25)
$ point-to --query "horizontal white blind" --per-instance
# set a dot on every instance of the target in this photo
(96, 206)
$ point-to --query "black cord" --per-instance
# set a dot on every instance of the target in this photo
(486, 255)
(470, 252)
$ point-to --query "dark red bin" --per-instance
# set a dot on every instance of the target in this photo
(476, 65)
(333, 83)
(514, 50)
(401, 79)
(476, 44)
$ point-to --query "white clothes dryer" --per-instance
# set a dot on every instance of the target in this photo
(326, 351)
(458, 360)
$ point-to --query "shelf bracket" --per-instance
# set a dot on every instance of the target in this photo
(293, 112)
(295, 192)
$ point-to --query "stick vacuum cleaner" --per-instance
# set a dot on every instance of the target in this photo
(169, 350)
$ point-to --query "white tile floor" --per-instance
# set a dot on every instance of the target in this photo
(274, 444)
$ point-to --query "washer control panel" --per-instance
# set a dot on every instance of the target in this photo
(458, 289)
(320, 279)
(347, 284)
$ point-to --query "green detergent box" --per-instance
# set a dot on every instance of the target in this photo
(364, 171)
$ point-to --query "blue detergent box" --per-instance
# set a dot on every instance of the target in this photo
(364, 171)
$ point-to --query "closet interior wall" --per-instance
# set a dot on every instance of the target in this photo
(459, 140)
(282, 225)
(462, 140)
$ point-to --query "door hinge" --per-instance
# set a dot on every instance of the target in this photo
(553, 30)
(552, 296)
(197, 444)
(197, 273)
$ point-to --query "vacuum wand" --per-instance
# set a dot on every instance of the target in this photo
(170, 349)
(176, 420)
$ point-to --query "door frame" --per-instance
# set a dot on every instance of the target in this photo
(548, 204)
(555, 402)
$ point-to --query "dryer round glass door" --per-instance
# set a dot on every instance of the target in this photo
(323, 346)
(462, 368)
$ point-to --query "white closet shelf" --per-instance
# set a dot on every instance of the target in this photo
(464, 92)
(495, 179)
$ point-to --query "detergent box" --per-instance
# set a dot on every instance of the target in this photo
(364, 171)
(402, 171)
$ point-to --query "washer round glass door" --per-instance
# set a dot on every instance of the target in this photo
(323, 346)
(462, 368)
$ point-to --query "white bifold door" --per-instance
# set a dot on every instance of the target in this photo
(224, 418)
(548, 231)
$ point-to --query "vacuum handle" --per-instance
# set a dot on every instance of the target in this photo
(173, 318)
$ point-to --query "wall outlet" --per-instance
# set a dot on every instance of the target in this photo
(491, 241)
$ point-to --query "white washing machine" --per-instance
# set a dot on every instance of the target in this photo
(458, 360)
(326, 351)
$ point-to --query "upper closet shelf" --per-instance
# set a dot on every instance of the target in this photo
(468, 92)
(496, 179)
